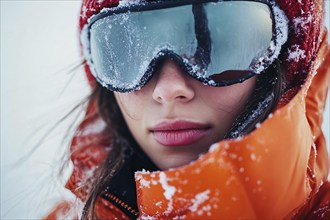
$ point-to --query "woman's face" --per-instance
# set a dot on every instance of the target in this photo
(175, 118)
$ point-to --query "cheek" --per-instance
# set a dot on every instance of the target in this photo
(131, 104)
(230, 100)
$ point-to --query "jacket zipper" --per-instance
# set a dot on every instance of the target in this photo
(121, 203)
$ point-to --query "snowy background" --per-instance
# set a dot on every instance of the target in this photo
(39, 48)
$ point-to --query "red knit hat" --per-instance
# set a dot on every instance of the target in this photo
(305, 25)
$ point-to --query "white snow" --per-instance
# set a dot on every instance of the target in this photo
(281, 36)
(84, 11)
(253, 156)
(213, 147)
(146, 217)
(169, 190)
(300, 23)
(126, 3)
(315, 150)
(143, 171)
(145, 183)
(199, 199)
(295, 53)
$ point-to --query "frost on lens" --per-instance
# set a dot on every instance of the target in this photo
(281, 36)
(123, 46)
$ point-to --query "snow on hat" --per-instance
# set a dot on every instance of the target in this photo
(305, 25)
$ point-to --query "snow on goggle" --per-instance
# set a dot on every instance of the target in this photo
(219, 43)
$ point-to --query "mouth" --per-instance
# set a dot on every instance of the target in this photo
(178, 133)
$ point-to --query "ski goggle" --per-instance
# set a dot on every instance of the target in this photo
(219, 43)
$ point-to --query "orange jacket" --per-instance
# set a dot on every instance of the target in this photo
(279, 171)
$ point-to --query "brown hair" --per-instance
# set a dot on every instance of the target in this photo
(265, 97)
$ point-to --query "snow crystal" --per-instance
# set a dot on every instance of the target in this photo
(315, 151)
(321, 212)
(89, 172)
(146, 217)
(295, 53)
(179, 217)
(281, 36)
(145, 183)
(206, 208)
(83, 12)
(281, 26)
(250, 147)
(197, 170)
(169, 190)
(143, 171)
(127, 3)
(213, 147)
(159, 204)
(300, 23)
(233, 156)
(230, 180)
(253, 156)
(85, 44)
(199, 199)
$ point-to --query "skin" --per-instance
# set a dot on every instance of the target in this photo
(173, 95)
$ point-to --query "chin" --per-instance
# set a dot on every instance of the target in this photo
(175, 161)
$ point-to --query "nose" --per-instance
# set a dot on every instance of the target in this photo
(172, 84)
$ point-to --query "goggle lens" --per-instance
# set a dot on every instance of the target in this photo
(218, 43)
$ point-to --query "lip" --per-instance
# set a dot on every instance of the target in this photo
(178, 133)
